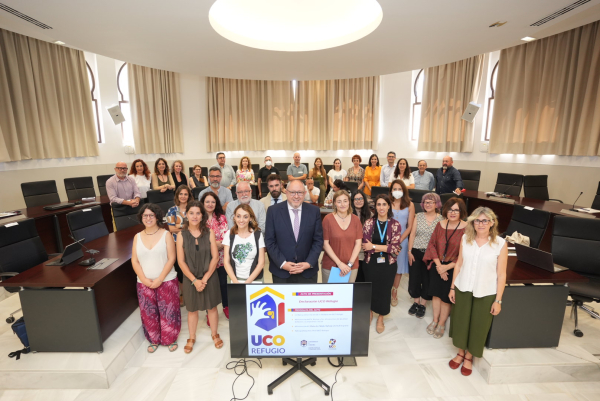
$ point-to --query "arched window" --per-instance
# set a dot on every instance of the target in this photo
(490, 111)
(94, 101)
(123, 88)
(416, 106)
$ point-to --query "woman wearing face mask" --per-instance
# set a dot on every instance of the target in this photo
(179, 177)
(142, 176)
(176, 220)
(404, 213)
(198, 256)
(418, 276)
(161, 179)
(381, 243)
(244, 247)
(342, 236)
(402, 172)
(318, 174)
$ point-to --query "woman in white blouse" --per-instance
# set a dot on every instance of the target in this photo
(336, 173)
(402, 172)
(477, 287)
(142, 176)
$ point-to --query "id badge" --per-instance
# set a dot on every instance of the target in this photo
(381, 259)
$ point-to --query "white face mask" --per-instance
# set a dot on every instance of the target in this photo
(268, 163)
(397, 194)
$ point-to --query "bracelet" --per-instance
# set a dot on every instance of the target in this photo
(451, 289)
(194, 281)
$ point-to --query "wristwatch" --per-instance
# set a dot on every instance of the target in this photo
(350, 264)
(500, 302)
(373, 247)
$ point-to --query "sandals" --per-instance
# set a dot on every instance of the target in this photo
(394, 299)
(152, 348)
(188, 348)
(380, 328)
(173, 346)
(431, 328)
(219, 342)
(455, 365)
(439, 332)
(465, 371)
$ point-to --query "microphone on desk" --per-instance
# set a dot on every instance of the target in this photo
(573, 208)
(77, 193)
(504, 194)
(89, 261)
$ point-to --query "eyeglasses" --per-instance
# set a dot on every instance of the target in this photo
(484, 221)
(431, 203)
(296, 193)
(454, 211)
(214, 176)
(121, 168)
(359, 199)
(148, 216)
(247, 191)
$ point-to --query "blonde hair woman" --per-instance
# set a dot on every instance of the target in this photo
(179, 177)
(477, 287)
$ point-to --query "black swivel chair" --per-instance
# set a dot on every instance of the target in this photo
(264, 189)
(576, 245)
(80, 187)
(532, 223)
(536, 187)
(376, 191)
(509, 184)
(596, 202)
(87, 223)
(164, 200)
(417, 194)
(40, 193)
(444, 197)
(101, 180)
(470, 179)
(282, 168)
(196, 192)
(414, 168)
(351, 186)
(21, 249)
(125, 216)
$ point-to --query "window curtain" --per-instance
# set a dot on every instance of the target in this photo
(548, 96)
(155, 110)
(337, 114)
(45, 101)
(448, 90)
(249, 114)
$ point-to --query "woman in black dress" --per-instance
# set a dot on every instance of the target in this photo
(381, 244)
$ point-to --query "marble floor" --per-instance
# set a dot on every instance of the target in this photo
(404, 363)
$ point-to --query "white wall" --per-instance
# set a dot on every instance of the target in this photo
(567, 175)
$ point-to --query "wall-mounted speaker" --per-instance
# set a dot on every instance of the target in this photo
(471, 112)
(116, 115)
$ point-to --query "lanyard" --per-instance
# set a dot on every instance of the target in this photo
(382, 232)
(448, 239)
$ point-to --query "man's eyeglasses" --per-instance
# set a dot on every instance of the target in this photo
(247, 191)
(296, 193)
(121, 168)
(214, 176)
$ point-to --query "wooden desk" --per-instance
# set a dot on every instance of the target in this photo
(79, 320)
(504, 211)
(52, 225)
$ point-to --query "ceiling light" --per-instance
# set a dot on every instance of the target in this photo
(292, 25)
(58, 42)
(527, 39)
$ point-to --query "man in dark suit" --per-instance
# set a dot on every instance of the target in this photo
(294, 238)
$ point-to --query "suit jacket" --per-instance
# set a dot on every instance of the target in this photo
(266, 201)
(282, 245)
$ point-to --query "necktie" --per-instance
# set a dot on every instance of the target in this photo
(276, 200)
(296, 223)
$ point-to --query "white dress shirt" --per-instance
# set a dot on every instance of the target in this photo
(292, 217)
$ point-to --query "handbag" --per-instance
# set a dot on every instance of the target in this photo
(19, 329)
(517, 238)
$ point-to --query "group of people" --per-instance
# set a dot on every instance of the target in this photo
(457, 263)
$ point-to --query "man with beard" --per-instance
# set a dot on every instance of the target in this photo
(275, 195)
(121, 188)
(448, 178)
(244, 196)
(224, 194)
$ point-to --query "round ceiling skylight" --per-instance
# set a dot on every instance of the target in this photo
(294, 25)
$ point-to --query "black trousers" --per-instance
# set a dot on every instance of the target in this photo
(222, 273)
(418, 277)
(296, 279)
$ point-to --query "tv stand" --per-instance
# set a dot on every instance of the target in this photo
(298, 365)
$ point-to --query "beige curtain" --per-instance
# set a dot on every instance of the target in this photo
(337, 114)
(155, 110)
(548, 96)
(249, 115)
(45, 101)
(447, 91)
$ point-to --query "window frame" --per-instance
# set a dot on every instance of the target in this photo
(95, 102)
(489, 105)
(122, 96)
(416, 103)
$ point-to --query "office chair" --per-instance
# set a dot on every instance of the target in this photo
(351, 186)
(80, 187)
(414, 168)
(87, 223)
(40, 193)
(532, 223)
(101, 180)
(196, 192)
(376, 191)
(125, 216)
(282, 168)
(417, 194)
(264, 189)
(164, 200)
(596, 202)
(536, 187)
(444, 197)
(504, 184)
(470, 179)
(576, 245)
(21, 249)
(418, 208)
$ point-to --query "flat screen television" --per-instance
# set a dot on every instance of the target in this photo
(299, 320)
